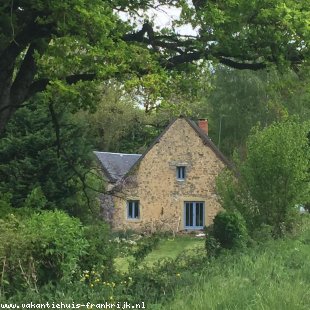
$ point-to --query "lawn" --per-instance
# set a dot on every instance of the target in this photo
(167, 248)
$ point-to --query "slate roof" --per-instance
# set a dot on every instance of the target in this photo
(116, 165)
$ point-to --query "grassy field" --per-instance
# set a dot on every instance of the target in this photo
(167, 248)
(273, 276)
(171, 248)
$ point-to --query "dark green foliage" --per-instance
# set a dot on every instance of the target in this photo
(118, 124)
(213, 247)
(42, 168)
(229, 229)
(238, 101)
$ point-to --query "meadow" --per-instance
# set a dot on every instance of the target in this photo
(274, 275)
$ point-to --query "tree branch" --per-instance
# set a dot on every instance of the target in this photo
(41, 84)
(29, 34)
(24, 77)
(242, 65)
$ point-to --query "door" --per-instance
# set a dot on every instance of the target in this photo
(194, 214)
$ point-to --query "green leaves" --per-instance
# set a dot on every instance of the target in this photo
(45, 247)
(274, 177)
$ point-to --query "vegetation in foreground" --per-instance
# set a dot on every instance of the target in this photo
(271, 275)
(274, 275)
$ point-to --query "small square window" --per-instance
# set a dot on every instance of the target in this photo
(181, 172)
(133, 209)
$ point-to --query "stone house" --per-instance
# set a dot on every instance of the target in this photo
(169, 187)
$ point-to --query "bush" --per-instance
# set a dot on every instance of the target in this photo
(212, 245)
(43, 248)
(100, 252)
(229, 229)
(59, 242)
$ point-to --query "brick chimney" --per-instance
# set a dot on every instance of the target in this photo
(203, 124)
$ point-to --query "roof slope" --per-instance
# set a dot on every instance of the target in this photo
(203, 136)
(116, 165)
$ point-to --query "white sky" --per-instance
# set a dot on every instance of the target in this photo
(164, 17)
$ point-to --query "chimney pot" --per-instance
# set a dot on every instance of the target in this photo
(203, 124)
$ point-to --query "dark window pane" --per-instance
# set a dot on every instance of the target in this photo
(199, 214)
(181, 172)
(191, 216)
(194, 214)
(187, 208)
(136, 210)
(130, 209)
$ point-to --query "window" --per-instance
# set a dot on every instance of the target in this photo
(133, 209)
(194, 214)
(181, 173)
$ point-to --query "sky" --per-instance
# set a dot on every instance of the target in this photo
(164, 17)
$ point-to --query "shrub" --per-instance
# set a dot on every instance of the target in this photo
(211, 244)
(58, 243)
(229, 229)
(100, 252)
(36, 199)
(43, 248)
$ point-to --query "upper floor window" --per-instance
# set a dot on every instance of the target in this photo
(181, 172)
(133, 209)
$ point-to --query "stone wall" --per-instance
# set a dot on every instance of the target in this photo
(155, 185)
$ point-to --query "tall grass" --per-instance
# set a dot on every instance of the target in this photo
(274, 276)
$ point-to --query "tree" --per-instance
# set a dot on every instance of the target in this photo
(73, 40)
(118, 124)
(239, 101)
(273, 178)
(43, 167)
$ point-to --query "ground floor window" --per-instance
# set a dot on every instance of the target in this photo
(133, 209)
(194, 214)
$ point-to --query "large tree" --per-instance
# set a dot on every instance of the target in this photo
(44, 41)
